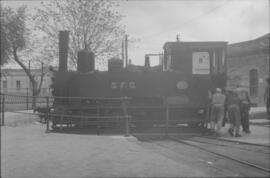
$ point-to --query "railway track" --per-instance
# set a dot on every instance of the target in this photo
(230, 143)
(205, 146)
(220, 154)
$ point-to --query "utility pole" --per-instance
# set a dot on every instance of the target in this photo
(31, 86)
(29, 68)
(126, 49)
(123, 52)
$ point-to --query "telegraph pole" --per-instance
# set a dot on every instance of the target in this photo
(126, 49)
(29, 68)
(123, 52)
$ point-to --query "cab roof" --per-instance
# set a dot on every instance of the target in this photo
(197, 44)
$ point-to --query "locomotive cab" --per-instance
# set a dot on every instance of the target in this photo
(204, 58)
(197, 59)
(200, 68)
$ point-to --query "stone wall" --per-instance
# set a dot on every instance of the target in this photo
(239, 68)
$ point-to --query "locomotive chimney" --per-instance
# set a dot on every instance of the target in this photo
(63, 50)
(147, 61)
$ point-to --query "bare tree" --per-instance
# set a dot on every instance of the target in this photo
(93, 24)
(18, 43)
(5, 49)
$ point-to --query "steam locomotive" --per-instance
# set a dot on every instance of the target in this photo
(178, 89)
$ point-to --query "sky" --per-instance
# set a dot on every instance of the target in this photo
(154, 22)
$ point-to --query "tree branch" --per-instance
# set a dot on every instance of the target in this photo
(41, 78)
(31, 77)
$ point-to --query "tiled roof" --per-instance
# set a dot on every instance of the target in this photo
(196, 44)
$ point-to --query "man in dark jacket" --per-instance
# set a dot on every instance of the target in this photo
(244, 108)
(232, 104)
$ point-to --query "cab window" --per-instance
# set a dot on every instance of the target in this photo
(200, 63)
(218, 61)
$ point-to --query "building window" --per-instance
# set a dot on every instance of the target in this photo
(169, 63)
(253, 82)
(18, 84)
(4, 84)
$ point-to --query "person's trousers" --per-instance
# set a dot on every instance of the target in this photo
(245, 117)
(234, 117)
(217, 115)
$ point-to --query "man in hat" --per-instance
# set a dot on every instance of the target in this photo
(217, 110)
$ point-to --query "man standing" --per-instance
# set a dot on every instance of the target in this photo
(267, 97)
(217, 110)
(244, 108)
(232, 106)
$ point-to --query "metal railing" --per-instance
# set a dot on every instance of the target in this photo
(50, 116)
(97, 118)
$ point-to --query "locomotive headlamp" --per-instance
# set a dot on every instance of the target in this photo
(181, 85)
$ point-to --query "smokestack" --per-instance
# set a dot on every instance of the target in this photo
(63, 50)
(147, 61)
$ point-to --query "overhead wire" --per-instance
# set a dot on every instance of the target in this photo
(186, 22)
(179, 25)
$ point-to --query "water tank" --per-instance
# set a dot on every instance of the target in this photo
(115, 65)
(86, 61)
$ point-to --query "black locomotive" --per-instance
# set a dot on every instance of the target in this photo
(177, 90)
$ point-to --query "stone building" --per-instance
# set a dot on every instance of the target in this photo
(15, 81)
(248, 66)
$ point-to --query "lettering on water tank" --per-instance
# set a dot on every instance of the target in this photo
(123, 85)
(113, 85)
(132, 85)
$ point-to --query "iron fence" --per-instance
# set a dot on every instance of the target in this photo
(66, 119)
(63, 119)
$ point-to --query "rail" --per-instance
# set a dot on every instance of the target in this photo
(221, 155)
(233, 144)
(264, 169)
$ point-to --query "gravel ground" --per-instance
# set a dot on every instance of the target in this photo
(29, 152)
(258, 135)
